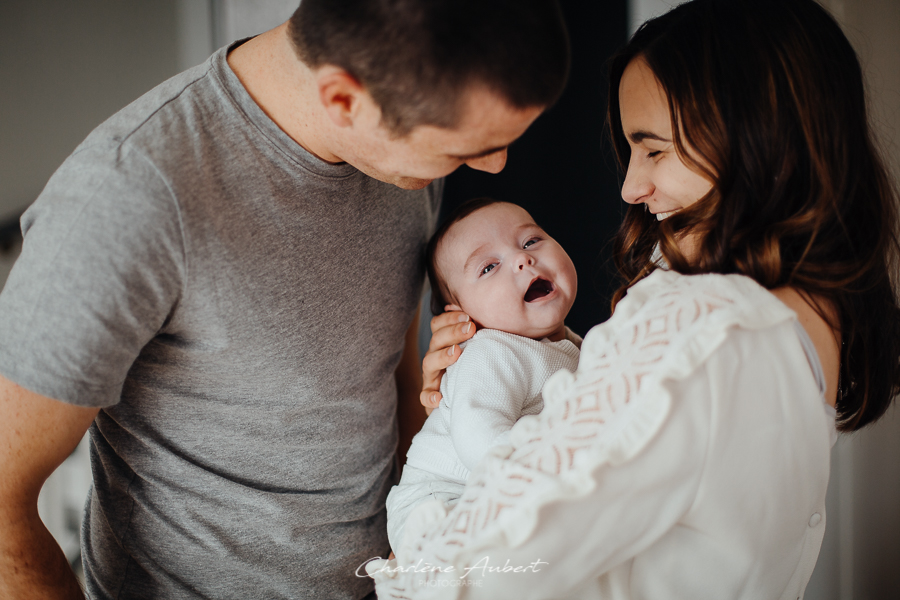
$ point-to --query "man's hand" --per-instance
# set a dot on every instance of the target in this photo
(36, 436)
(448, 330)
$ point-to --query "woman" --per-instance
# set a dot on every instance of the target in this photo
(688, 457)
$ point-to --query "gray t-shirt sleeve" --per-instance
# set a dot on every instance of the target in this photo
(102, 267)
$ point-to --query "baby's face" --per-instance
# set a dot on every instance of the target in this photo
(506, 273)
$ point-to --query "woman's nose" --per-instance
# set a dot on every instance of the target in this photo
(637, 186)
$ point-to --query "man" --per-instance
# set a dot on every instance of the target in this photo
(218, 281)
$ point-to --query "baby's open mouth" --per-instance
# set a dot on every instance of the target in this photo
(538, 289)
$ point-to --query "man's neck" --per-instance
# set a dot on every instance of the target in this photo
(284, 88)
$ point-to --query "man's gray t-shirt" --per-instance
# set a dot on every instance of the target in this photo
(237, 307)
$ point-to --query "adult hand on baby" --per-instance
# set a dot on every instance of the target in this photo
(448, 330)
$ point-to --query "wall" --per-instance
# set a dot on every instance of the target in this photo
(643, 10)
(562, 170)
(862, 548)
(66, 66)
(237, 19)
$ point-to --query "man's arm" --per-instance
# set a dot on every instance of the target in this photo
(36, 436)
(410, 413)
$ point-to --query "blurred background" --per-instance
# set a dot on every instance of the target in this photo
(65, 66)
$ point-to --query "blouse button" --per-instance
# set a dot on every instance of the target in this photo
(815, 519)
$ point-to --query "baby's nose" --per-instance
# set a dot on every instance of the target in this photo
(525, 259)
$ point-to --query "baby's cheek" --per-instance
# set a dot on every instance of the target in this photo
(495, 312)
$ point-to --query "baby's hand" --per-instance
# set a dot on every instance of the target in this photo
(448, 330)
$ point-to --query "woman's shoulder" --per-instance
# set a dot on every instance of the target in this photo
(666, 307)
(669, 289)
(669, 324)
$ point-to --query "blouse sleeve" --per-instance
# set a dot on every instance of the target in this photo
(582, 528)
(618, 513)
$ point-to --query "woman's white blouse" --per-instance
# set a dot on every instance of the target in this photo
(688, 457)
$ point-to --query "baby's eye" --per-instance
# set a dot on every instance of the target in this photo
(531, 242)
(488, 268)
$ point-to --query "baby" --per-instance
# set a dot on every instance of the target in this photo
(491, 261)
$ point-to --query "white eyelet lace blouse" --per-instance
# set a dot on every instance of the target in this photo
(687, 457)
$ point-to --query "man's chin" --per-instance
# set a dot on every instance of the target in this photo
(409, 183)
(401, 181)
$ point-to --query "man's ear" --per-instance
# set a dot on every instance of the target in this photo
(341, 94)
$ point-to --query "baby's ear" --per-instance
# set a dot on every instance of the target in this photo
(452, 308)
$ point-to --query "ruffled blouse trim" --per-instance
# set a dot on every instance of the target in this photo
(666, 327)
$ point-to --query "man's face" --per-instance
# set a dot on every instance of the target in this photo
(506, 273)
(487, 127)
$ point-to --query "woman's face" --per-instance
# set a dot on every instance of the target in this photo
(657, 177)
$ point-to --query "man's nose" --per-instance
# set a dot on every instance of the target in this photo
(492, 163)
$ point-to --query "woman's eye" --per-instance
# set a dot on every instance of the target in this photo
(488, 268)
(654, 153)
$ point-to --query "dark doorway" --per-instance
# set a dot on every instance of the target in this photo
(562, 170)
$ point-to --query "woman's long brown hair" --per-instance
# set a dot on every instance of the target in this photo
(768, 95)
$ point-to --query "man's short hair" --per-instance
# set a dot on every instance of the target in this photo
(416, 58)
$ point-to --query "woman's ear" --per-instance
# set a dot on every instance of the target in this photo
(341, 94)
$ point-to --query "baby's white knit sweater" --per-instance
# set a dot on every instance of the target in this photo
(497, 379)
